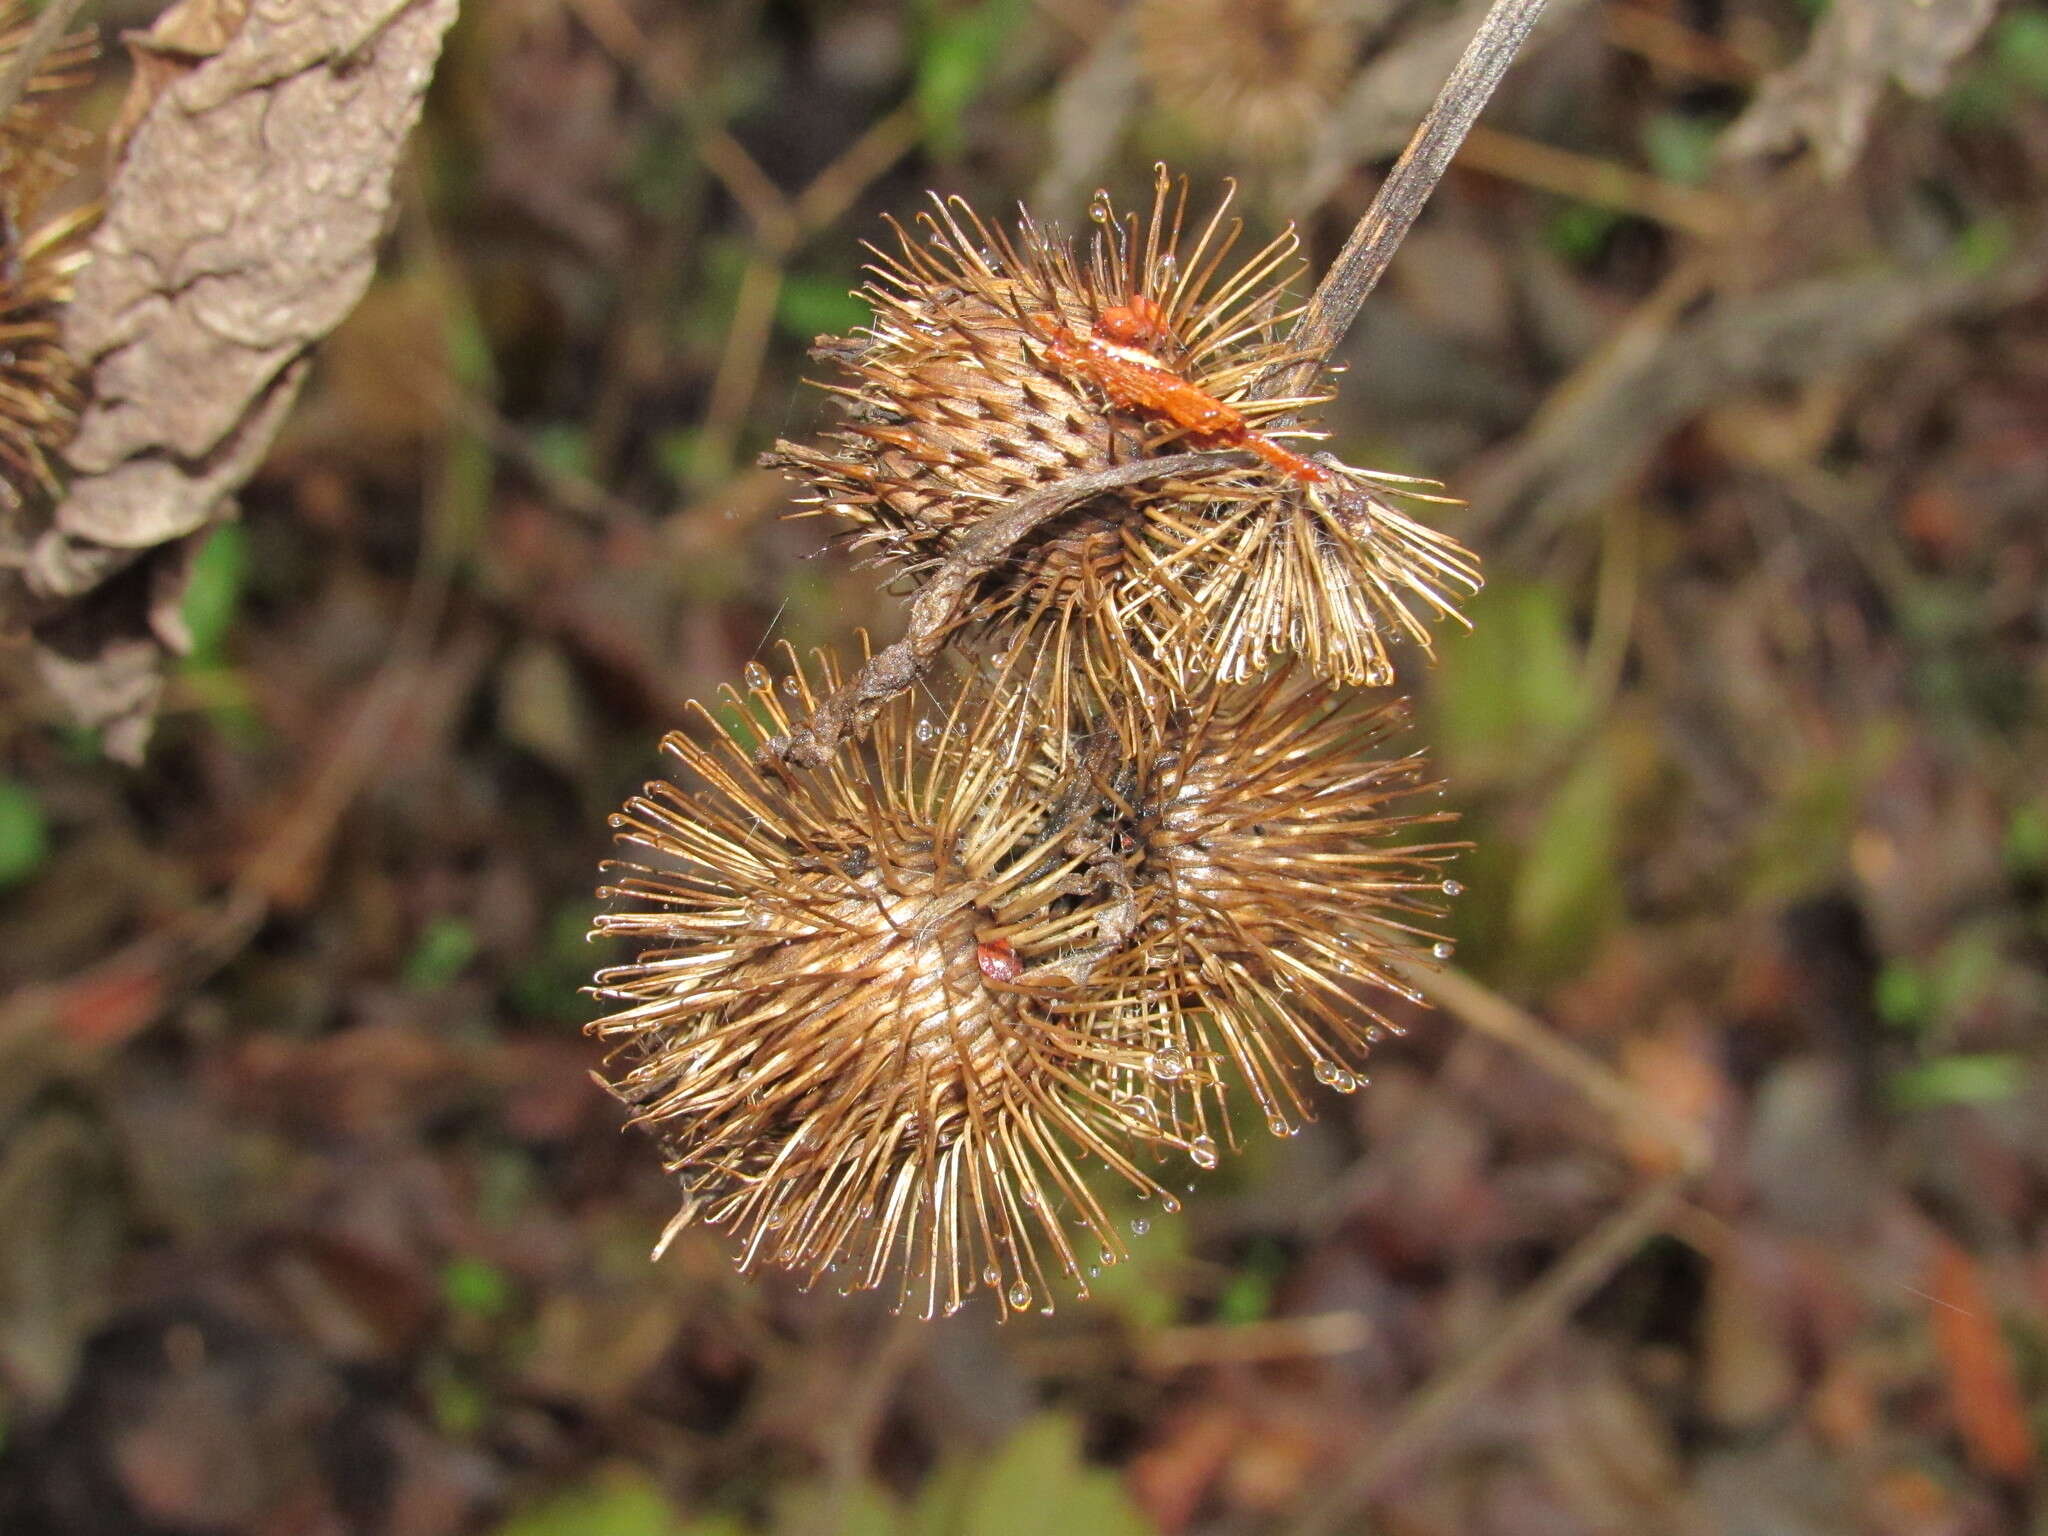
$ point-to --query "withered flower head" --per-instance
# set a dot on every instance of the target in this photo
(1265, 829)
(39, 391)
(39, 259)
(861, 1022)
(1256, 76)
(997, 366)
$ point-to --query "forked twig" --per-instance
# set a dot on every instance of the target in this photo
(941, 600)
(1358, 267)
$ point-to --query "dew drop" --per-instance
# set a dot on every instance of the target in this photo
(1443, 950)
(1099, 209)
(1046, 1310)
(1140, 1226)
(1169, 1205)
(926, 730)
(1203, 1150)
(1020, 1296)
(1454, 887)
(1167, 1066)
(755, 676)
(1093, 1274)
(792, 687)
(1279, 1125)
(991, 1276)
(1168, 270)
(1326, 1071)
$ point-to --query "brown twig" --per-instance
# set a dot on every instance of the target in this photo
(1358, 267)
(1601, 182)
(1567, 1283)
(44, 38)
(940, 601)
(1521, 1031)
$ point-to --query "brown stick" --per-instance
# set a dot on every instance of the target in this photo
(1358, 267)
(940, 602)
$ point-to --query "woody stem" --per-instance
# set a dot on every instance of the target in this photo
(1358, 267)
(941, 601)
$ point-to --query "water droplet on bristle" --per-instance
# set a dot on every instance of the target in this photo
(991, 1276)
(1442, 950)
(755, 676)
(1203, 1150)
(1454, 888)
(1020, 1296)
(1140, 1226)
(792, 687)
(926, 730)
(1167, 1066)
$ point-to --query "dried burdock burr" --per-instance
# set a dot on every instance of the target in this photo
(870, 1020)
(39, 393)
(39, 262)
(1254, 77)
(905, 969)
(1270, 831)
(1000, 364)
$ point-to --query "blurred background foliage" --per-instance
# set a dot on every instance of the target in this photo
(310, 1218)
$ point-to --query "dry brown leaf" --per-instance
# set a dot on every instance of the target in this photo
(242, 225)
(1983, 1385)
(1827, 98)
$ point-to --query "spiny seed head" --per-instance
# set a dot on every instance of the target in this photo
(964, 396)
(39, 260)
(39, 392)
(1265, 829)
(860, 1021)
(954, 404)
(1252, 76)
